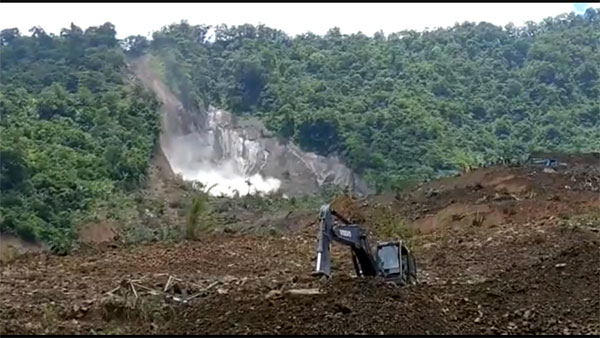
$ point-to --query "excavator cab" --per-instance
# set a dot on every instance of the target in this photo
(396, 263)
(388, 258)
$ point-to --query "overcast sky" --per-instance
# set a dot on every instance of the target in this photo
(293, 18)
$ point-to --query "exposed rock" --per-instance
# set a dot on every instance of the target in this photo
(211, 146)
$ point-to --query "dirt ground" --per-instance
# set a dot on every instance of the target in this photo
(500, 251)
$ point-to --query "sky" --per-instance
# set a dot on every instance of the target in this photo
(292, 18)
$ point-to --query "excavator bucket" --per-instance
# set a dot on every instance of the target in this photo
(323, 266)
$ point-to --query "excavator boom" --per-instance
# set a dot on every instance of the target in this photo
(348, 234)
(386, 263)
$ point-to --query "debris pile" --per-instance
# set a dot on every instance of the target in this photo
(500, 251)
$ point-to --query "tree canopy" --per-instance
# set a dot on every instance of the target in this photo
(410, 105)
(75, 131)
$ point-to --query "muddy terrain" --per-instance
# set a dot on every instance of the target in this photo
(501, 250)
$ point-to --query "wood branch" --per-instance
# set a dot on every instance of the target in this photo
(193, 296)
(135, 286)
(168, 283)
(304, 292)
(211, 286)
(144, 287)
(133, 289)
(113, 290)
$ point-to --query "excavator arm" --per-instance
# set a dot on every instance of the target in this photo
(348, 234)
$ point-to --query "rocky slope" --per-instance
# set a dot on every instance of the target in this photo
(215, 148)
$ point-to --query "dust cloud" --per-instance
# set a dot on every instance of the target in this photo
(200, 158)
(213, 148)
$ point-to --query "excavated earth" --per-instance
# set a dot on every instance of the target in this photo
(500, 250)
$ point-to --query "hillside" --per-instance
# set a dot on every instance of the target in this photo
(233, 155)
(409, 105)
(77, 134)
(91, 126)
(79, 131)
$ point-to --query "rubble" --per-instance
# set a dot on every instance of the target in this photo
(518, 272)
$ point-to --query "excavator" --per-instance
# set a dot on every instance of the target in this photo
(392, 261)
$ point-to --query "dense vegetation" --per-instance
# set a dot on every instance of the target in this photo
(77, 132)
(405, 106)
(76, 135)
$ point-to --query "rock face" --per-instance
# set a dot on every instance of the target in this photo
(238, 156)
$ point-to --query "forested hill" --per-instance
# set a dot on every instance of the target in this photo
(404, 106)
(76, 135)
